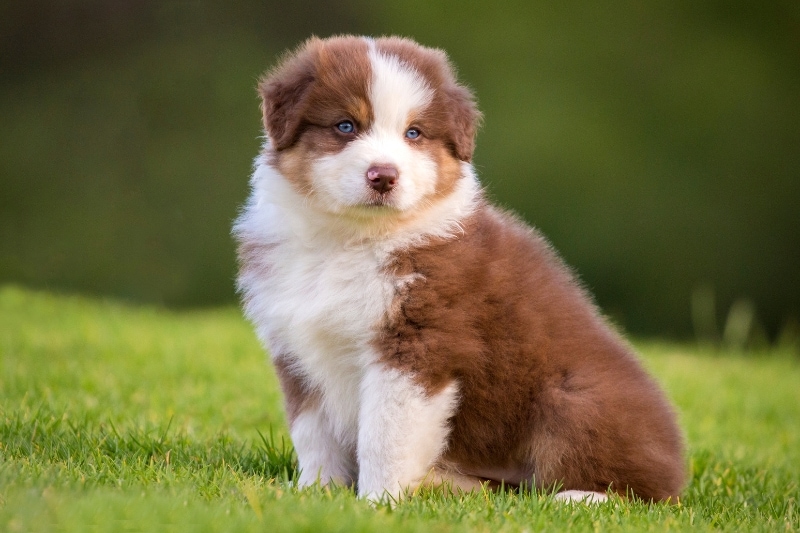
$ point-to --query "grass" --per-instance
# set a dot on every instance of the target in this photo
(122, 418)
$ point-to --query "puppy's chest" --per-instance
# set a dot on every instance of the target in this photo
(327, 302)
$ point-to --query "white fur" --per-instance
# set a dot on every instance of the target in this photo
(321, 302)
(325, 294)
(320, 291)
(401, 432)
(396, 90)
(321, 456)
(276, 212)
(581, 496)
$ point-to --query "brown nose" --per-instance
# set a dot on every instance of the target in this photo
(382, 178)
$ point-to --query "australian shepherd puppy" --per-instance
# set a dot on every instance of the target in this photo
(422, 336)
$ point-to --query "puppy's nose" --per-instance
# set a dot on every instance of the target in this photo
(382, 178)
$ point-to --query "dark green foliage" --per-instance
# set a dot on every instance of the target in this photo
(655, 144)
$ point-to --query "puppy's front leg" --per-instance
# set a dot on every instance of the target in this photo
(321, 456)
(402, 431)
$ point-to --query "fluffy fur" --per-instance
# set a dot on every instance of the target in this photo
(420, 335)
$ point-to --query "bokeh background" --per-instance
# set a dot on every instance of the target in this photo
(657, 144)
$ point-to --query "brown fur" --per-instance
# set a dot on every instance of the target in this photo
(547, 389)
(296, 394)
(320, 84)
(325, 81)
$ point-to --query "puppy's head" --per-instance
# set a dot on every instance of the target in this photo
(368, 126)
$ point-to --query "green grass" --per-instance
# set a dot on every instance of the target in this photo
(123, 418)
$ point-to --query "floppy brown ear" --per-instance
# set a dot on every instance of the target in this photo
(464, 121)
(284, 93)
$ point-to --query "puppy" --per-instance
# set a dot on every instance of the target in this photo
(422, 336)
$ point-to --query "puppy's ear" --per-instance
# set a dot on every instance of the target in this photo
(284, 94)
(464, 120)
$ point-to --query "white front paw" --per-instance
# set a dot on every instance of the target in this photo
(581, 496)
(374, 497)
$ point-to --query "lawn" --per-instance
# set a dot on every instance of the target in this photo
(123, 418)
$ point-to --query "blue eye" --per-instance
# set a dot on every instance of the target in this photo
(413, 133)
(346, 126)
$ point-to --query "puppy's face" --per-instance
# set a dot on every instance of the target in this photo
(368, 127)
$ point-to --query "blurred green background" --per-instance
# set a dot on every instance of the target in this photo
(657, 144)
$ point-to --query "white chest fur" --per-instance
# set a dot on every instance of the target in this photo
(314, 297)
(316, 288)
(326, 304)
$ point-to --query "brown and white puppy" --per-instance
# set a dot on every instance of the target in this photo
(420, 334)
